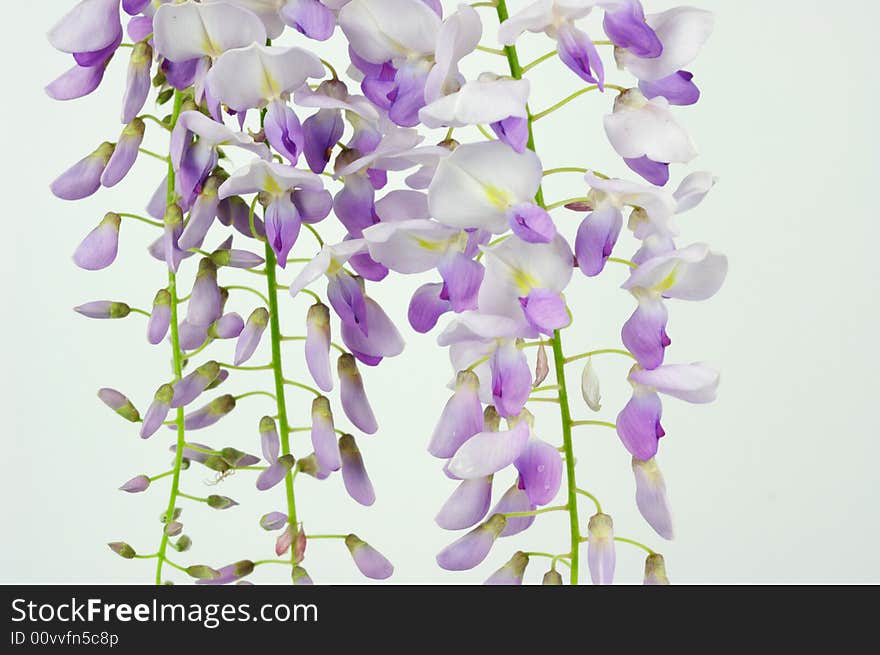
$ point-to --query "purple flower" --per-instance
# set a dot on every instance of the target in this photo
(119, 404)
(157, 412)
(354, 398)
(136, 485)
(595, 239)
(427, 306)
(600, 549)
(229, 573)
(644, 333)
(90, 27)
(461, 419)
(651, 496)
(210, 413)
(467, 505)
(383, 339)
(137, 86)
(98, 250)
(190, 387)
(125, 153)
(512, 572)
(531, 223)
(577, 51)
(540, 470)
(545, 310)
(515, 499)
(626, 27)
(205, 304)
(324, 435)
(201, 215)
(250, 336)
(638, 424)
(511, 379)
(317, 345)
(369, 561)
(489, 452)
(514, 131)
(284, 131)
(309, 17)
(354, 473)
(471, 549)
(678, 89)
(84, 177)
(77, 82)
(103, 309)
(228, 326)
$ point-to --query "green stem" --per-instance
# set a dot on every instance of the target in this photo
(326, 536)
(604, 424)
(154, 155)
(558, 357)
(635, 543)
(535, 512)
(603, 351)
(566, 201)
(142, 219)
(178, 370)
(595, 500)
(278, 374)
(569, 98)
(565, 169)
(625, 262)
(255, 393)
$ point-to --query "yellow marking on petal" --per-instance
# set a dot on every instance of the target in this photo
(334, 266)
(667, 282)
(270, 185)
(497, 197)
(523, 281)
(430, 246)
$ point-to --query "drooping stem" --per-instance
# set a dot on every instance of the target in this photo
(278, 374)
(177, 358)
(558, 356)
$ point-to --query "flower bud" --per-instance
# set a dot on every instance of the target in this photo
(369, 561)
(125, 154)
(136, 485)
(202, 215)
(651, 496)
(601, 556)
(238, 458)
(269, 442)
(160, 317)
(250, 336)
(317, 345)
(222, 376)
(174, 528)
(276, 472)
(273, 521)
(175, 514)
(467, 505)
(542, 366)
(324, 435)
(515, 499)
(228, 326)
(202, 572)
(655, 570)
(205, 305)
(99, 248)
(119, 404)
(590, 386)
(300, 576)
(512, 572)
(157, 412)
(84, 177)
(220, 502)
(284, 541)
(137, 86)
(103, 309)
(354, 473)
(173, 225)
(309, 466)
(183, 544)
(188, 388)
(122, 549)
(471, 549)
(462, 417)
(210, 413)
(491, 419)
(354, 398)
(299, 545)
(552, 577)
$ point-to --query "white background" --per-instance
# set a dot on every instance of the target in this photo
(776, 482)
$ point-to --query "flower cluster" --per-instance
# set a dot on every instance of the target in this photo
(268, 143)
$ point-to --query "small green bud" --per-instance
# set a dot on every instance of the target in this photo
(174, 528)
(202, 572)
(165, 96)
(183, 544)
(162, 298)
(220, 502)
(163, 517)
(173, 215)
(217, 463)
(243, 568)
(122, 549)
(552, 577)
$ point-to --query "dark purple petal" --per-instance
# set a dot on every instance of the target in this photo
(579, 53)
(511, 380)
(514, 131)
(321, 132)
(626, 27)
(283, 131)
(282, 227)
(657, 173)
(678, 89)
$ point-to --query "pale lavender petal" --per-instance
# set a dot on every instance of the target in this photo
(511, 379)
(638, 424)
(693, 383)
(512, 572)
(209, 414)
(540, 469)
(369, 561)
(136, 485)
(273, 521)
(84, 177)
(489, 452)
(317, 345)
(103, 309)
(250, 336)
(644, 333)
(651, 496)
(601, 557)
(157, 412)
(228, 326)
(462, 277)
(192, 336)
(545, 310)
(313, 205)
(461, 419)
(596, 238)
(471, 549)
(354, 398)
(383, 339)
(324, 435)
(515, 499)
(577, 51)
(119, 403)
(275, 473)
(201, 216)
(426, 307)
(310, 17)
(531, 223)
(269, 442)
(467, 505)
(206, 304)
(137, 86)
(125, 154)
(354, 473)
(300, 576)
(76, 82)
(190, 387)
(98, 250)
(514, 131)
(678, 89)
